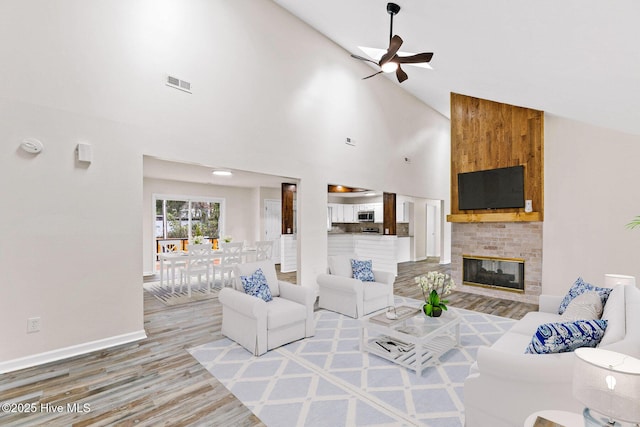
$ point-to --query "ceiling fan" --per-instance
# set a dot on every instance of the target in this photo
(390, 61)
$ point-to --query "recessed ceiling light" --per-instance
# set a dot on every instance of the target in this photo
(221, 172)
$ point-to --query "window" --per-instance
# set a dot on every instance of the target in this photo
(183, 218)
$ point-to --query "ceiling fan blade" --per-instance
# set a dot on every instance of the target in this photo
(374, 74)
(401, 75)
(413, 59)
(362, 58)
(394, 45)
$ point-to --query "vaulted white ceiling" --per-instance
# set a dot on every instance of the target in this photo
(577, 59)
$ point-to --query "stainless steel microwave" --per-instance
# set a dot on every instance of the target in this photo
(365, 216)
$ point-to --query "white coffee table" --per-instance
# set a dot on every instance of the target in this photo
(422, 339)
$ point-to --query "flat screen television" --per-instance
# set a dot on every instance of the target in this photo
(491, 189)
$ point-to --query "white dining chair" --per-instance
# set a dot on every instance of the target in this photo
(168, 246)
(264, 250)
(231, 256)
(198, 263)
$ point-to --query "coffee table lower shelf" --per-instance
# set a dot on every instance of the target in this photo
(429, 353)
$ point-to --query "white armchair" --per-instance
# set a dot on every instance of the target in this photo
(340, 292)
(261, 326)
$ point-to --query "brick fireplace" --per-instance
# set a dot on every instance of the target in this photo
(507, 240)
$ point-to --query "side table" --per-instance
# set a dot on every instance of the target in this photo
(560, 418)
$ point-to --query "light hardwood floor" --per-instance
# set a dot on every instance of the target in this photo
(156, 382)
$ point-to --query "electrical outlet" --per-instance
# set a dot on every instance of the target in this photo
(33, 324)
(350, 141)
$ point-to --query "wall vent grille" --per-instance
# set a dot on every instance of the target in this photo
(176, 83)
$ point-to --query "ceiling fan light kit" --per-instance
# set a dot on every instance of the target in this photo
(389, 67)
(390, 61)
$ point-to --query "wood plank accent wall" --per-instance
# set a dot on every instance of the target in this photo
(389, 213)
(489, 135)
(288, 197)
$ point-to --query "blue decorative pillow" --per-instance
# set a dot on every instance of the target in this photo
(579, 287)
(564, 337)
(362, 270)
(256, 285)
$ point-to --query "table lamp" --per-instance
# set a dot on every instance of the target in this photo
(607, 383)
(611, 280)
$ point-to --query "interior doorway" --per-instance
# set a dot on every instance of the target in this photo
(272, 225)
(434, 229)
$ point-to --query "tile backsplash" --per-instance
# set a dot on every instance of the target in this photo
(402, 228)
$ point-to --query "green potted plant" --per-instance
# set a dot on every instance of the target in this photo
(435, 285)
(198, 238)
(634, 223)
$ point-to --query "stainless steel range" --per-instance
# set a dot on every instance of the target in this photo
(370, 230)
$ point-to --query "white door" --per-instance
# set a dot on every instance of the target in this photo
(273, 225)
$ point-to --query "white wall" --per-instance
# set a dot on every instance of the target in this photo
(71, 242)
(269, 95)
(591, 191)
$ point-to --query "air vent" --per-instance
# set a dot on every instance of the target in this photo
(176, 83)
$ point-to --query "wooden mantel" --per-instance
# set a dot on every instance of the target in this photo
(490, 135)
(496, 217)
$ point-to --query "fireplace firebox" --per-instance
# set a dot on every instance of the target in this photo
(493, 272)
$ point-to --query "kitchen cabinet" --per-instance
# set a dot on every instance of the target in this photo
(337, 212)
(402, 214)
(343, 213)
(350, 213)
(334, 212)
(378, 214)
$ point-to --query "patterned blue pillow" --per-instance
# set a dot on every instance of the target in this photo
(579, 287)
(256, 285)
(564, 337)
(362, 270)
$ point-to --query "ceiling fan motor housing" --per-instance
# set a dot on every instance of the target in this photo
(393, 8)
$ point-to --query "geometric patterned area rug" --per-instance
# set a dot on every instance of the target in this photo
(180, 296)
(326, 381)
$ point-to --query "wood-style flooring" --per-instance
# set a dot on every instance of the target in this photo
(156, 382)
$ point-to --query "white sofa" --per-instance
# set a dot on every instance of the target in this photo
(260, 326)
(339, 291)
(505, 385)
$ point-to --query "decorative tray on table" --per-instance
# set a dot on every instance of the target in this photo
(401, 313)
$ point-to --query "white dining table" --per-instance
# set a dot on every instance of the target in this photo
(177, 257)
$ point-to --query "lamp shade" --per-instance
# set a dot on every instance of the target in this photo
(611, 280)
(608, 382)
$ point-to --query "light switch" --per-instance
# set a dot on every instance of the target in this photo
(84, 153)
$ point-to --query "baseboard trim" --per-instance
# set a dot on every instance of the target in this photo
(64, 353)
